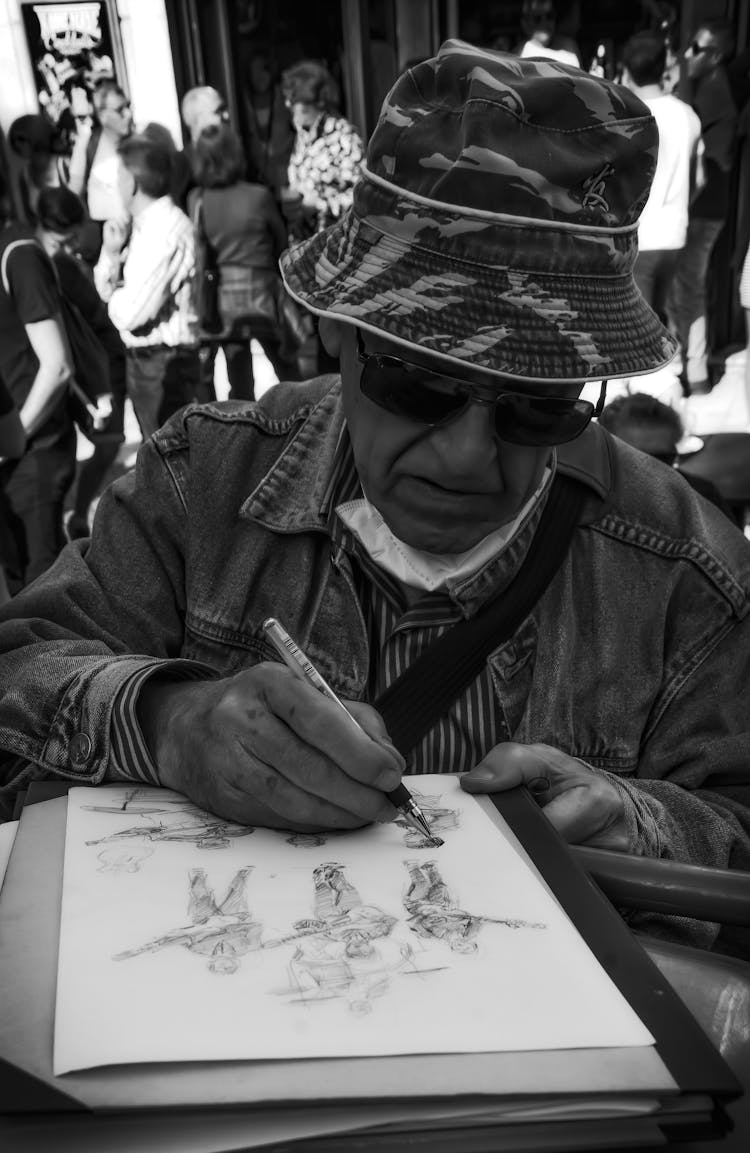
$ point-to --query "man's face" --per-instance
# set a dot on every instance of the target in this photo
(439, 489)
(209, 110)
(116, 115)
(702, 54)
(53, 241)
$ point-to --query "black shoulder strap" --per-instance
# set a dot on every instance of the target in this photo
(424, 692)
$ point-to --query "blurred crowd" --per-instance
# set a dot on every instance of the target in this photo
(127, 262)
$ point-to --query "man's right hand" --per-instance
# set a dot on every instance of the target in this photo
(266, 748)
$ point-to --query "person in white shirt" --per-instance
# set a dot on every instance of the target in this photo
(94, 164)
(662, 228)
(146, 278)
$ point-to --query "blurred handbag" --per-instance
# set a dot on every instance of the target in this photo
(206, 280)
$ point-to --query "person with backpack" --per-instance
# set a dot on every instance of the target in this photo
(60, 213)
(36, 367)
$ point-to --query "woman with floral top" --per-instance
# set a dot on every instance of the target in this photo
(327, 151)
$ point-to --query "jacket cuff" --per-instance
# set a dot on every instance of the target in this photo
(640, 825)
(96, 724)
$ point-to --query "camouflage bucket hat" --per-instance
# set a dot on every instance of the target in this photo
(495, 222)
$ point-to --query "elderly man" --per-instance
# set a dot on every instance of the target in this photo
(482, 275)
(201, 107)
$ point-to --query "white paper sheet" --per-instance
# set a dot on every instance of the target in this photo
(184, 937)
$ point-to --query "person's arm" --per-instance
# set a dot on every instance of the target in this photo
(262, 746)
(77, 168)
(108, 268)
(154, 269)
(47, 338)
(690, 799)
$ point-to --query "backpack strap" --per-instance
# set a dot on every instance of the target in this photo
(424, 692)
(23, 242)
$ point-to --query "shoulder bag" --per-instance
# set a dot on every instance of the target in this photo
(206, 280)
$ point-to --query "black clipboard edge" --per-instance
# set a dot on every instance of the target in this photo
(687, 1052)
(22, 1092)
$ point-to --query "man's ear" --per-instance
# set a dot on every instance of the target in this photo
(331, 333)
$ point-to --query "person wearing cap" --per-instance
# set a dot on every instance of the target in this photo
(482, 275)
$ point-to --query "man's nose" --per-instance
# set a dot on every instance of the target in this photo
(470, 439)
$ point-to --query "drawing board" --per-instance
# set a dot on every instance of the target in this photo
(186, 937)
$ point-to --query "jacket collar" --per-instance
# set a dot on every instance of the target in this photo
(291, 497)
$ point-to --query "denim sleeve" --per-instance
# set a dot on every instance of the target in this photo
(107, 610)
(690, 800)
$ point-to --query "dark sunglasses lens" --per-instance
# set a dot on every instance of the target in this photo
(540, 420)
(402, 391)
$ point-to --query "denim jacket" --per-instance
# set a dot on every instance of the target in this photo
(636, 659)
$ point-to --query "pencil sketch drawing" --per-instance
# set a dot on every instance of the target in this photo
(203, 830)
(122, 860)
(223, 932)
(346, 950)
(143, 802)
(434, 914)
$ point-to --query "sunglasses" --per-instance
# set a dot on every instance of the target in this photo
(696, 48)
(433, 399)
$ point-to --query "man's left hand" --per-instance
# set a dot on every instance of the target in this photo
(584, 805)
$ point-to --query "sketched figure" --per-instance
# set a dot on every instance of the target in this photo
(434, 914)
(341, 960)
(440, 820)
(204, 830)
(223, 932)
(334, 895)
(122, 860)
(336, 955)
(306, 840)
(140, 802)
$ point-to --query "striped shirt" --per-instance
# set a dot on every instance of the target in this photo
(153, 306)
(398, 633)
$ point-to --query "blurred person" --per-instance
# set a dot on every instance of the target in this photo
(745, 303)
(35, 368)
(539, 25)
(145, 278)
(656, 429)
(60, 214)
(269, 127)
(662, 228)
(327, 153)
(323, 168)
(200, 108)
(12, 444)
(241, 224)
(704, 61)
(40, 150)
(94, 163)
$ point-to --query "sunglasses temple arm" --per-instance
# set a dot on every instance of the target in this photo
(602, 398)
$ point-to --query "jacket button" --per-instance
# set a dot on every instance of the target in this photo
(80, 749)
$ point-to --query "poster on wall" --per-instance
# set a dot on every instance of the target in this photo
(71, 48)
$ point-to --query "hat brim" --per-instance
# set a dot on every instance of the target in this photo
(525, 326)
